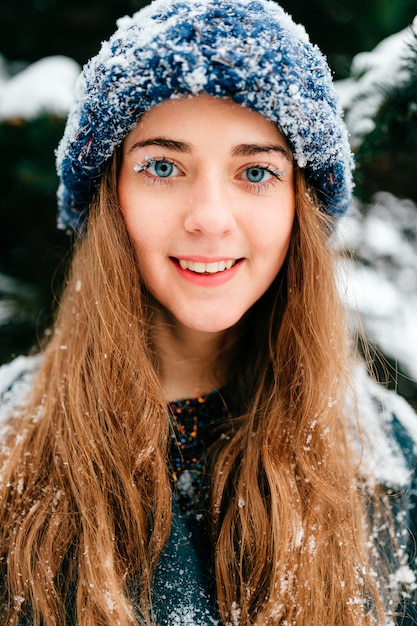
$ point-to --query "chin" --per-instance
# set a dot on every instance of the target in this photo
(203, 319)
(214, 325)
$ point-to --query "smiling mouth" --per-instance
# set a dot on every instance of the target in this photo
(206, 268)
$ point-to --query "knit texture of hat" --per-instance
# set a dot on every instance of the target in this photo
(250, 51)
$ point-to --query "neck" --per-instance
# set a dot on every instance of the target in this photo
(188, 359)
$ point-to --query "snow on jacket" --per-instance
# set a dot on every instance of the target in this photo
(388, 453)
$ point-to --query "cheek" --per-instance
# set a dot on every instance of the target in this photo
(147, 221)
(143, 241)
(142, 227)
(272, 234)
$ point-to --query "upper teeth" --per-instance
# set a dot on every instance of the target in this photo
(209, 268)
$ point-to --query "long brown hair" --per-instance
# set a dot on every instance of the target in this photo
(85, 493)
(289, 521)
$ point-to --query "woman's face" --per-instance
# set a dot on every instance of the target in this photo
(207, 194)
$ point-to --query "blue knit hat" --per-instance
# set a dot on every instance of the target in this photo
(248, 50)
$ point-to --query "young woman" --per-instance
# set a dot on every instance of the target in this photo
(194, 444)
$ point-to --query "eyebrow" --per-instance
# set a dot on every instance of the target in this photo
(249, 149)
(170, 144)
(244, 149)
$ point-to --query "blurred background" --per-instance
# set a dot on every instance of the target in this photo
(33, 29)
(372, 50)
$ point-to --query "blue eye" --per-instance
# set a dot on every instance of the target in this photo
(257, 174)
(161, 169)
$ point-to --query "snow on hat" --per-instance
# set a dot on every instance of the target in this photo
(247, 50)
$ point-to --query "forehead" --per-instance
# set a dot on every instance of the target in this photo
(202, 119)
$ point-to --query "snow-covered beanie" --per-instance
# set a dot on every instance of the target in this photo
(247, 50)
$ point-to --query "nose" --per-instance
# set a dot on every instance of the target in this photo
(210, 209)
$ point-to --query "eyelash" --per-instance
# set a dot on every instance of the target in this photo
(151, 178)
(252, 186)
(260, 187)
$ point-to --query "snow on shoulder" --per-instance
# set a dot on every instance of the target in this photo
(16, 379)
(387, 446)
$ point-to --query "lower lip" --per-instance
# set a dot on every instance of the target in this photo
(208, 280)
